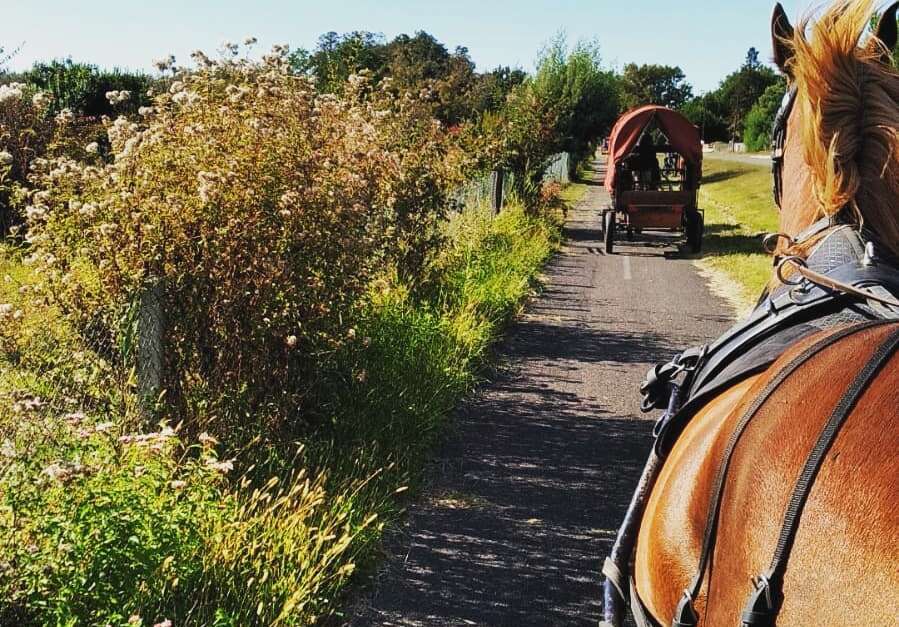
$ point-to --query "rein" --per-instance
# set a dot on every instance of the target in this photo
(822, 280)
(763, 604)
(800, 266)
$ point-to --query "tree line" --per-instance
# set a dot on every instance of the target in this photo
(741, 108)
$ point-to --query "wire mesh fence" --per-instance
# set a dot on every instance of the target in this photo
(559, 168)
(497, 187)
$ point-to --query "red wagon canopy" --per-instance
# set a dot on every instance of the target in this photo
(682, 134)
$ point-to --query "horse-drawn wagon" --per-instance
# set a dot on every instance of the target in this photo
(645, 194)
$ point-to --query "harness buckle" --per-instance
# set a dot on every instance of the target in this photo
(759, 608)
(658, 388)
(769, 243)
(685, 615)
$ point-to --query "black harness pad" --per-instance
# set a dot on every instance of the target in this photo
(782, 318)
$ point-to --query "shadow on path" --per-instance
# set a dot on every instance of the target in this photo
(532, 483)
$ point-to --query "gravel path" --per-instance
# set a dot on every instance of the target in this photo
(532, 483)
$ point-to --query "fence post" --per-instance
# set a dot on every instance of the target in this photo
(150, 345)
(496, 190)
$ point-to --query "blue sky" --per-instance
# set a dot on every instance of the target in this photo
(707, 38)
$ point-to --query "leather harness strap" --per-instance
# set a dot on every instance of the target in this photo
(685, 615)
(764, 603)
(835, 284)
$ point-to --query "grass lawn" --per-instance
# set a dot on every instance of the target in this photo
(739, 211)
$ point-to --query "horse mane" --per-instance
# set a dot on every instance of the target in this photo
(848, 100)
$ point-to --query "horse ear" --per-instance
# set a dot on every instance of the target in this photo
(781, 33)
(886, 30)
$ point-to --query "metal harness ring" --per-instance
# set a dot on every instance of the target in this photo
(799, 262)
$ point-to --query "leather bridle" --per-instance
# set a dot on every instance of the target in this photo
(779, 140)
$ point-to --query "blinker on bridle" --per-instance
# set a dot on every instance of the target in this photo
(779, 140)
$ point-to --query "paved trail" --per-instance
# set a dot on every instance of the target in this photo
(533, 482)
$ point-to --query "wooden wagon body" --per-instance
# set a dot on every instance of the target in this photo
(664, 198)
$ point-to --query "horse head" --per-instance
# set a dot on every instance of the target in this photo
(840, 152)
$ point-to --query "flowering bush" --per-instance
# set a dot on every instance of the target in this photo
(262, 210)
(28, 133)
(25, 132)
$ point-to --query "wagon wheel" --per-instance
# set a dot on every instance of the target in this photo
(695, 227)
(608, 228)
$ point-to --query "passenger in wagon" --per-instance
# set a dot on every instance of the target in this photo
(644, 164)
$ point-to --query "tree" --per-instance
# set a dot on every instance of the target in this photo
(583, 95)
(412, 63)
(654, 84)
(759, 120)
(569, 103)
(490, 90)
(82, 87)
(421, 61)
(740, 90)
(709, 114)
(337, 56)
(752, 59)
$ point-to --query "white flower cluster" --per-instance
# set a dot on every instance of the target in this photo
(185, 98)
(235, 93)
(200, 58)
(65, 117)
(41, 99)
(5, 158)
(206, 184)
(118, 96)
(165, 63)
(13, 90)
(28, 404)
(277, 57)
(123, 135)
(230, 48)
(223, 467)
(153, 441)
(63, 471)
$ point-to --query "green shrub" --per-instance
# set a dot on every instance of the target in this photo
(567, 105)
(101, 528)
(582, 94)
